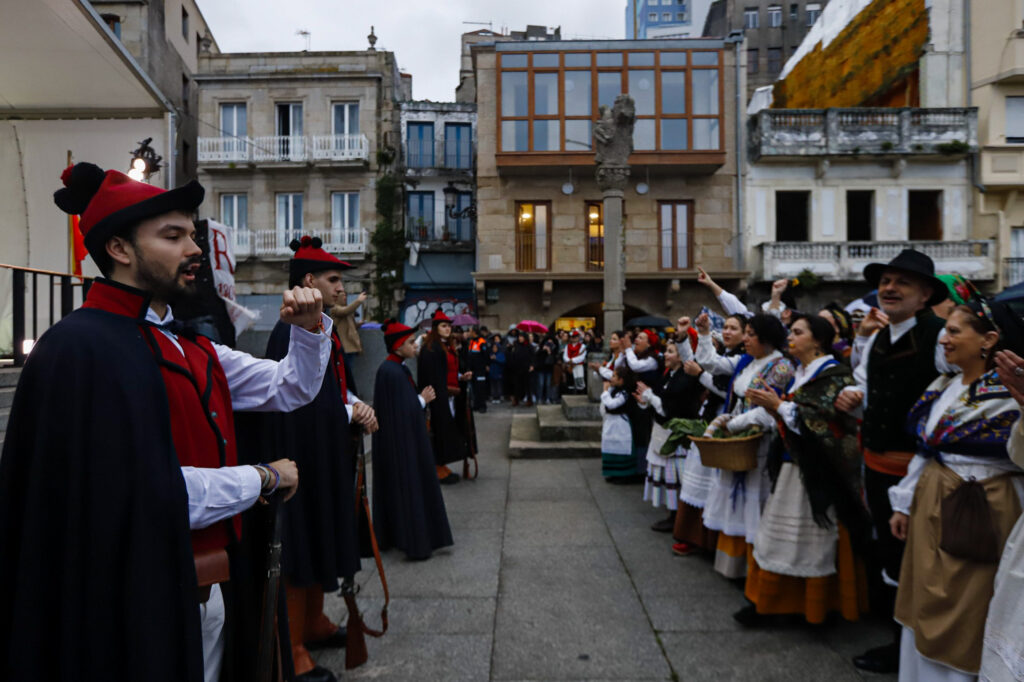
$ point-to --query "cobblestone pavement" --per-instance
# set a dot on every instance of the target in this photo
(555, 575)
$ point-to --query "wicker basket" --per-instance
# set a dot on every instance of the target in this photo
(731, 454)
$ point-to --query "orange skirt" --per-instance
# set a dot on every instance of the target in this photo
(844, 591)
(731, 552)
(690, 528)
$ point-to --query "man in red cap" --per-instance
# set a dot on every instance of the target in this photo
(114, 517)
(438, 366)
(319, 539)
(408, 508)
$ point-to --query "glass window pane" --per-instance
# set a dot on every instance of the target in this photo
(641, 59)
(545, 94)
(705, 91)
(545, 136)
(515, 136)
(609, 86)
(297, 213)
(1014, 119)
(641, 88)
(282, 211)
(337, 210)
(643, 134)
(705, 58)
(540, 226)
(577, 136)
(673, 59)
(353, 211)
(514, 98)
(545, 59)
(665, 228)
(682, 240)
(227, 209)
(576, 59)
(705, 133)
(673, 92)
(609, 59)
(513, 61)
(242, 212)
(577, 93)
(673, 134)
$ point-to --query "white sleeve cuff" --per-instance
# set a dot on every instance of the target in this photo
(423, 401)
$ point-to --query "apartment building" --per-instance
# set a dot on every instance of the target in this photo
(773, 29)
(540, 229)
(665, 18)
(438, 171)
(291, 148)
(851, 165)
(997, 90)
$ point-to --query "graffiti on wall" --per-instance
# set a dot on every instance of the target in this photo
(424, 308)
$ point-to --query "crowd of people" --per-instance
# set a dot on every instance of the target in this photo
(888, 472)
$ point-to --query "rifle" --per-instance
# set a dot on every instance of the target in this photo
(470, 443)
(355, 647)
(267, 647)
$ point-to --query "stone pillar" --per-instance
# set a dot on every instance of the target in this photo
(613, 143)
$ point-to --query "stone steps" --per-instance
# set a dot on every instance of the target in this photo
(525, 442)
(555, 426)
(579, 408)
(9, 376)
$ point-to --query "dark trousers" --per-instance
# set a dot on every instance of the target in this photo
(480, 392)
(520, 382)
(887, 554)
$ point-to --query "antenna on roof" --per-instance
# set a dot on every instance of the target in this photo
(488, 24)
(305, 34)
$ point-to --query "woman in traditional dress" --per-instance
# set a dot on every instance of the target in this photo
(616, 358)
(734, 503)
(678, 395)
(803, 560)
(617, 462)
(689, 531)
(1002, 656)
(642, 358)
(959, 500)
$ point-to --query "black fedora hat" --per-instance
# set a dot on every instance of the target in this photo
(913, 263)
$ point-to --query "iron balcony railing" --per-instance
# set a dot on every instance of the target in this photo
(283, 148)
(256, 243)
(442, 155)
(843, 261)
(450, 230)
(1013, 271)
(40, 299)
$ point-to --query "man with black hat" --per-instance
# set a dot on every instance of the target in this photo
(896, 364)
(319, 537)
(438, 366)
(118, 486)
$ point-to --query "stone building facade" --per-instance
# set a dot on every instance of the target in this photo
(293, 149)
(540, 251)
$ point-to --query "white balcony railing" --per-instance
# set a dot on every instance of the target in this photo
(256, 243)
(283, 148)
(845, 261)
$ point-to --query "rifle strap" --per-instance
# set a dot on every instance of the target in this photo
(470, 446)
(361, 498)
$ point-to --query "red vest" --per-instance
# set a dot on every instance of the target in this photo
(198, 397)
(453, 367)
(338, 364)
(574, 349)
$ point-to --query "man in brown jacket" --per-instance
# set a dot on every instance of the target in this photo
(344, 316)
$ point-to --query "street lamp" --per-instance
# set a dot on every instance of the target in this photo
(145, 161)
(451, 194)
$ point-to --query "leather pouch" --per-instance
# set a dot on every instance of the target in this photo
(212, 567)
(968, 531)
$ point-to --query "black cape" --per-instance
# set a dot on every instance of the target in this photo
(318, 539)
(447, 432)
(95, 552)
(408, 508)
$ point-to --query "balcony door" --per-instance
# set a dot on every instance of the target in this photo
(345, 218)
(533, 238)
(420, 145)
(460, 229)
(924, 215)
(595, 235)
(234, 213)
(458, 147)
(345, 124)
(675, 234)
(289, 219)
(792, 216)
(233, 130)
(420, 216)
(289, 131)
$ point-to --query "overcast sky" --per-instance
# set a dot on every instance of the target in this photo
(424, 35)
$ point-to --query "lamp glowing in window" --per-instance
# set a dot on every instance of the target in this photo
(594, 215)
(525, 215)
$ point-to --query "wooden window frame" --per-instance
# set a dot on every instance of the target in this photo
(516, 231)
(587, 264)
(657, 68)
(690, 203)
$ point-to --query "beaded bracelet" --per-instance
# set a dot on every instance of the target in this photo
(277, 479)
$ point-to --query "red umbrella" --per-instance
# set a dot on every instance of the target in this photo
(464, 320)
(532, 326)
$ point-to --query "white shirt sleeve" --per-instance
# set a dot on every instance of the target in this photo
(272, 386)
(581, 358)
(685, 349)
(708, 382)
(755, 417)
(732, 305)
(638, 365)
(901, 495)
(709, 359)
(654, 400)
(860, 371)
(608, 402)
(218, 494)
(788, 412)
(423, 401)
(605, 373)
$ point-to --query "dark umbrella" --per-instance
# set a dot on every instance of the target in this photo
(649, 321)
(1011, 293)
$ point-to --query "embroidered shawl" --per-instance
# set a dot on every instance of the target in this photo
(977, 424)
